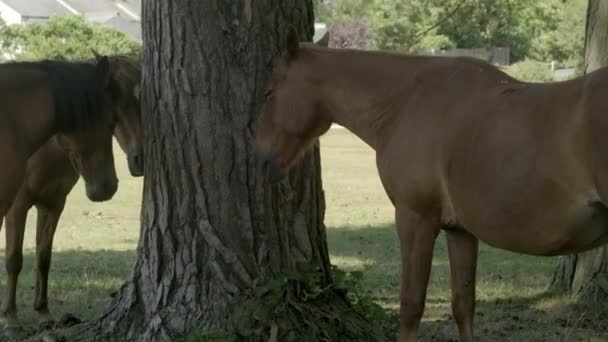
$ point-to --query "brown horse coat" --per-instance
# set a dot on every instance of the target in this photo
(50, 177)
(40, 99)
(460, 146)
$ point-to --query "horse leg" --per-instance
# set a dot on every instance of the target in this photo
(48, 218)
(417, 236)
(15, 226)
(462, 250)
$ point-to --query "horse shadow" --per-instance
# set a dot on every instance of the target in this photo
(81, 283)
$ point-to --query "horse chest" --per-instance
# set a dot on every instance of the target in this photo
(50, 175)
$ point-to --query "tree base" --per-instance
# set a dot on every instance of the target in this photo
(292, 307)
(584, 275)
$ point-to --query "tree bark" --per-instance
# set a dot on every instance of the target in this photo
(213, 232)
(585, 275)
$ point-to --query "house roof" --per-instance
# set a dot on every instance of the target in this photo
(103, 7)
(124, 15)
(37, 8)
(88, 6)
(320, 29)
(131, 27)
(133, 6)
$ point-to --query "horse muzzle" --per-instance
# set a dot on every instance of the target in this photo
(270, 168)
(136, 164)
(102, 190)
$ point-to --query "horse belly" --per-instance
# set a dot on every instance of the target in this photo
(548, 231)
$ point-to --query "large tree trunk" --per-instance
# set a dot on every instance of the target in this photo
(585, 275)
(214, 233)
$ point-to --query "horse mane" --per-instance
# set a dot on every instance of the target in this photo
(126, 70)
(75, 87)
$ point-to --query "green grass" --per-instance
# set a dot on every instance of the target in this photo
(95, 248)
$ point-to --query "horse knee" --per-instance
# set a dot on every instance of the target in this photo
(411, 311)
(14, 262)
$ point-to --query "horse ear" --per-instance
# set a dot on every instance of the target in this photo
(293, 43)
(324, 41)
(97, 55)
(103, 70)
(137, 92)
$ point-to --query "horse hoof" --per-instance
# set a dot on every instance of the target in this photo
(11, 331)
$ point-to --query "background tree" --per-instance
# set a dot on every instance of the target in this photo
(219, 247)
(538, 30)
(63, 38)
(585, 275)
(411, 25)
(561, 39)
(350, 35)
(340, 11)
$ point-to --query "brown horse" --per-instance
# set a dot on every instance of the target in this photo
(460, 146)
(41, 99)
(50, 177)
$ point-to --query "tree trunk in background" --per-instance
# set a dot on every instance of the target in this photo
(585, 275)
(213, 231)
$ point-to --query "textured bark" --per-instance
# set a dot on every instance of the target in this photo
(585, 275)
(211, 225)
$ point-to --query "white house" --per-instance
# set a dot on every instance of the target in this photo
(124, 15)
(320, 29)
(121, 14)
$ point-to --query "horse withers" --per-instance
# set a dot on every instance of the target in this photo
(460, 146)
(76, 106)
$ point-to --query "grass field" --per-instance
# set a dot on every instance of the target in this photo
(95, 248)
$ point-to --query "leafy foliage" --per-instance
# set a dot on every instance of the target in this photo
(336, 11)
(352, 35)
(530, 71)
(64, 38)
(304, 306)
(542, 30)
(408, 25)
(564, 41)
(364, 304)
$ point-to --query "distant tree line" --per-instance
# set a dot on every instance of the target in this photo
(536, 32)
(63, 38)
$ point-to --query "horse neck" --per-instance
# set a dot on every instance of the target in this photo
(38, 130)
(364, 91)
(35, 122)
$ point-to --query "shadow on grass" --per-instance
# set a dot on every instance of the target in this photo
(513, 303)
(526, 319)
(80, 283)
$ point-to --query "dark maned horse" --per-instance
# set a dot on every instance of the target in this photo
(460, 146)
(49, 178)
(73, 100)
